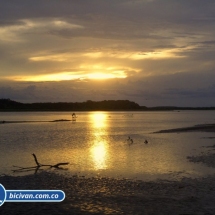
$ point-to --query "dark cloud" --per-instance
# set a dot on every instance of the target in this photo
(176, 90)
(166, 49)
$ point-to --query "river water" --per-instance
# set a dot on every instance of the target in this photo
(96, 143)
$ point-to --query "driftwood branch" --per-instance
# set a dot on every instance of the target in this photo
(56, 165)
(35, 158)
(36, 168)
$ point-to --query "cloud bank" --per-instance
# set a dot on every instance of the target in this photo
(151, 52)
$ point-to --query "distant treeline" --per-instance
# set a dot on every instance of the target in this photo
(173, 108)
(9, 105)
(106, 105)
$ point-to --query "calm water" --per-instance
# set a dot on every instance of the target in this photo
(96, 143)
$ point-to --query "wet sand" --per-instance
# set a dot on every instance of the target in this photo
(114, 196)
(202, 127)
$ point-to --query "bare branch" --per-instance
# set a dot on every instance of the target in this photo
(35, 158)
(26, 169)
(58, 164)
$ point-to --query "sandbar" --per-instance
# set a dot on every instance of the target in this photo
(202, 128)
(36, 121)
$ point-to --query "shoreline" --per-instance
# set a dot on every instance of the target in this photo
(106, 195)
(17, 121)
(114, 196)
(201, 128)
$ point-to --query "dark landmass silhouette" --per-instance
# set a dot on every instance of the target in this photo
(106, 105)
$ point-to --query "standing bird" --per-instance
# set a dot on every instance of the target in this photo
(74, 117)
(146, 141)
(130, 141)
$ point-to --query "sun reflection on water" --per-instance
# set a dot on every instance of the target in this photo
(99, 120)
(99, 155)
(99, 149)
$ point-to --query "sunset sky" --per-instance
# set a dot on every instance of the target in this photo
(153, 52)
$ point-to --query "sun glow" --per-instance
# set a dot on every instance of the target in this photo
(104, 76)
(48, 77)
(65, 76)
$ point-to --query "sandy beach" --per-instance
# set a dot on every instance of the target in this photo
(114, 196)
